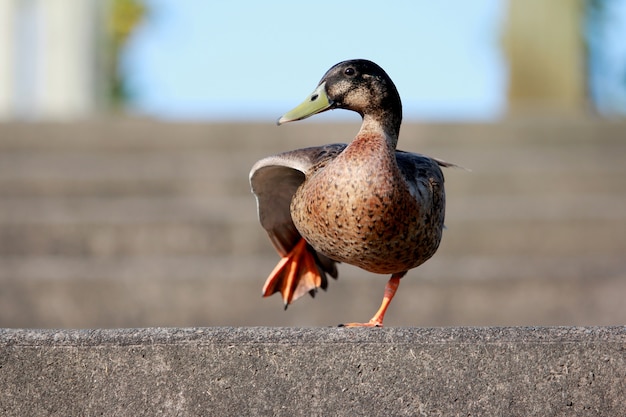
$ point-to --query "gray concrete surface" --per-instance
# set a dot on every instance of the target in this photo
(314, 372)
(135, 223)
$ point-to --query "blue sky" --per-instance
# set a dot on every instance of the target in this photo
(242, 59)
(607, 57)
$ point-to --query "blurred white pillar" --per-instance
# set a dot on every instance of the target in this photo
(66, 61)
(51, 50)
(7, 76)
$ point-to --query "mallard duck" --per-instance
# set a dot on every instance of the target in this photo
(364, 203)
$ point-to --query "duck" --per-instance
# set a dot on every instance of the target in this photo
(364, 203)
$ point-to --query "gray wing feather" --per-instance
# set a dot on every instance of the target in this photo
(274, 186)
(274, 181)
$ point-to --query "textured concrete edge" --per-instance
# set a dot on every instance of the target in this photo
(296, 336)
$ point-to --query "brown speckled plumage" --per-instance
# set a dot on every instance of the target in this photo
(364, 203)
(359, 209)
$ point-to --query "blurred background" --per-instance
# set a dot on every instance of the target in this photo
(128, 128)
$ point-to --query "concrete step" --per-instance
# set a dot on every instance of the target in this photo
(222, 225)
(314, 372)
(53, 292)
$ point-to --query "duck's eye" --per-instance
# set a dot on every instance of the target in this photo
(349, 71)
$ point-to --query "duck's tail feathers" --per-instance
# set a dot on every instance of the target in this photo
(447, 164)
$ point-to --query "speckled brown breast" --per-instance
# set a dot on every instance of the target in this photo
(358, 210)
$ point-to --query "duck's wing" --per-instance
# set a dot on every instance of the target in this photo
(425, 180)
(274, 181)
(416, 167)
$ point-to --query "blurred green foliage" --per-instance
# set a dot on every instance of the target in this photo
(123, 17)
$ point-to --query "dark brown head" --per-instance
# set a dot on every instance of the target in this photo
(358, 85)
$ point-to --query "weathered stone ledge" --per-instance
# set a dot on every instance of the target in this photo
(314, 371)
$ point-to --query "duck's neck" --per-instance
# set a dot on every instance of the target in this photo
(375, 127)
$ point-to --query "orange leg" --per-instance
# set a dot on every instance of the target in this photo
(390, 291)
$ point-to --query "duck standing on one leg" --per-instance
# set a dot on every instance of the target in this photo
(364, 203)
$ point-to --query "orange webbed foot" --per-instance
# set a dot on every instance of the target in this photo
(295, 275)
(370, 323)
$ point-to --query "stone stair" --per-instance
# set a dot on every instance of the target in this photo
(136, 223)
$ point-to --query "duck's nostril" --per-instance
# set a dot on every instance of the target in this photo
(314, 97)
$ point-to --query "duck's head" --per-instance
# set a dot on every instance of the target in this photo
(358, 85)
